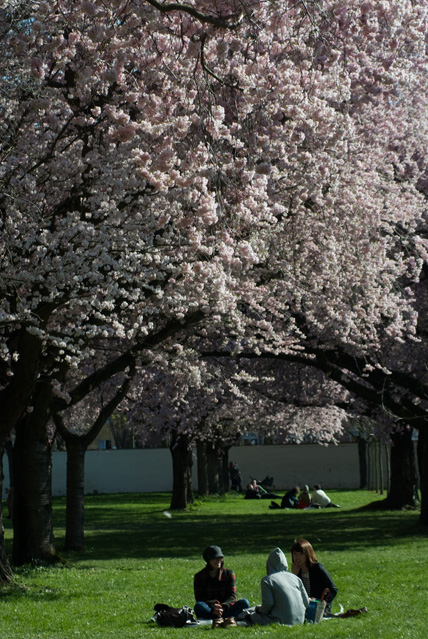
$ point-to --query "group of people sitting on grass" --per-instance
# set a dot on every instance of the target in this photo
(285, 596)
(296, 498)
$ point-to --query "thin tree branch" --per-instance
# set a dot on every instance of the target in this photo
(222, 23)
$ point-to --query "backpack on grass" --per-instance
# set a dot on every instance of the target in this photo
(167, 616)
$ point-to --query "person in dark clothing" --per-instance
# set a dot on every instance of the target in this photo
(314, 575)
(253, 491)
(290, 500)
(215, 588)
(235, 477)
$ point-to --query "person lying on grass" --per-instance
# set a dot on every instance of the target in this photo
(215, 588)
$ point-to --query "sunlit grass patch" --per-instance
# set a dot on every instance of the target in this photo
(136, 556)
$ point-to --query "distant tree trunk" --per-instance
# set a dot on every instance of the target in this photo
(202, 468)
(403, 472)
(6, 576)
(369, 467)
(224, 463)
(362, 459)
(32, 513)
(388, 468)
(182, 462)
(213, 467)
(375, 465)
(218, 467)
(423, 474)
(74, 517)
(380, 467)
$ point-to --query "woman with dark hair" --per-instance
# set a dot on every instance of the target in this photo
(314, 575)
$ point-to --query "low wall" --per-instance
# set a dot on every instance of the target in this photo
(334, 467)
(150, 470)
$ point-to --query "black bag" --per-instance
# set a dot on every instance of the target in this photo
(168, 616)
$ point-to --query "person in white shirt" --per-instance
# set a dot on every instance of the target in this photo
(320, 499)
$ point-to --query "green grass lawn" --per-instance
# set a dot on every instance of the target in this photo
(136, 557)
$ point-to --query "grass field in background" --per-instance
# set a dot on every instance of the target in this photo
(136, 557)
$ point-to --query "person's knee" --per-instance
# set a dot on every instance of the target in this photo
(202, 610)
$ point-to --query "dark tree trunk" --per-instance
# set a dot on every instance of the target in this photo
(6, 576)
(181, 451)
(202, 468)
(8, 447)
(362, 460)
(403, 485)
(423, 474)
(16, 395)
(76, 448)
(74, 526)
(217, 467)
(32, 513)
(213, 467)
(224, 476)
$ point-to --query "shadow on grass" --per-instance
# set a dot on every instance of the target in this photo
(125, 529)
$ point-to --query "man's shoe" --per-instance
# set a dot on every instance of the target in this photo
(218, 623)
(229, 621)
(352, 612)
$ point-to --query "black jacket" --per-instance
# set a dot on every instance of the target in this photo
(320, 579)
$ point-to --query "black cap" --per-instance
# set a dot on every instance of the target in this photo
(212, 552)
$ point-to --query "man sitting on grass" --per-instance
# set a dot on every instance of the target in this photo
(215, 588)
(320, 499)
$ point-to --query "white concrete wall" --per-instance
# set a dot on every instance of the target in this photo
(150, 470)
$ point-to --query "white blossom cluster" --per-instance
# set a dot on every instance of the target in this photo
(255, 161)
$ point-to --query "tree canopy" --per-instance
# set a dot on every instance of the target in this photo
(239, 176)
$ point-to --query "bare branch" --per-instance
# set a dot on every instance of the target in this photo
(216, 21)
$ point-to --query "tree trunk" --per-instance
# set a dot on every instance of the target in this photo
(369, 467)
(403, 472)
(202, 468)
(217, 467)
(32, 513)
(423, 474)
(6, 576)
(375, 465)
(224, 487)
(388, 467)
(74, 518)
(362, 460)
(16, 395)
(380, 466)
(76, 448)
(213, 467)
(182, 462)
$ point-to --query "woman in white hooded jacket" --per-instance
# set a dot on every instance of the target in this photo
(284, 598)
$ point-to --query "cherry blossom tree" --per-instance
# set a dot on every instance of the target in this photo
(236, 163)
(207, 404)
